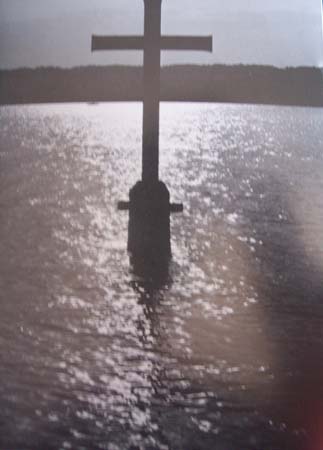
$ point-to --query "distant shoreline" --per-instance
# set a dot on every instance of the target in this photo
(282, 105)
(247, 84)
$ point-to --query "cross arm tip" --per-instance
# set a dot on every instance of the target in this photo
(211, 43)
(93, 40)
(208, 41)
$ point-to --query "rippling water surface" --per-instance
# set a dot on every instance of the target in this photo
(226, 352)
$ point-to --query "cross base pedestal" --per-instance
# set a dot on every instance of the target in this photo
(149, 220)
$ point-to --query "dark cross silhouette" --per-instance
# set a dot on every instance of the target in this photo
(151, 43)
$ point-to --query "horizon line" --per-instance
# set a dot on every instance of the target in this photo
(137, 66)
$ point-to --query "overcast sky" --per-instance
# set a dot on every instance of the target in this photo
(57, 32)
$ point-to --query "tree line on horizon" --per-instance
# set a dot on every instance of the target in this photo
(301, 86)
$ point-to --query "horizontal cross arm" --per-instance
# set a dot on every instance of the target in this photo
(117, 43)
(201, 43)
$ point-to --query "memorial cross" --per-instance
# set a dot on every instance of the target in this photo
(151, 43)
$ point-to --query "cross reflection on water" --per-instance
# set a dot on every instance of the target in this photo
(218, 348)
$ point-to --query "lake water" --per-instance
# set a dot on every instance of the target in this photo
(226, 352)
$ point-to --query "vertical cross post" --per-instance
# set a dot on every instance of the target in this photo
(152, 43)
(150, 150)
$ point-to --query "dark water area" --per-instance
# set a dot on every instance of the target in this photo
(222, 350)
